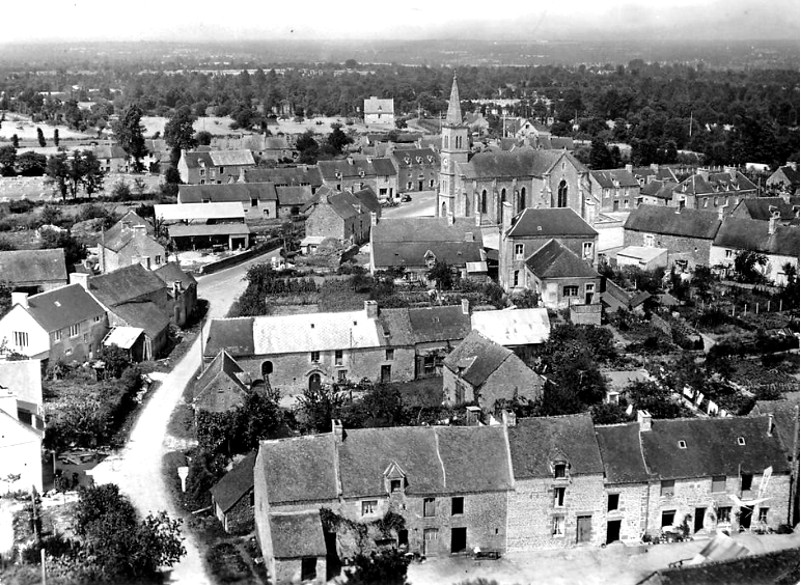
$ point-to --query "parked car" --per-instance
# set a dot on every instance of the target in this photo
(406, 198)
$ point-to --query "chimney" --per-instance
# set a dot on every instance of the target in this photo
(630, 167)
(126, 225)
(19, 298)
(770, 425)
(350, 160)
(8, 403)
(371, 309)
(465, 306)
(373, 218)
(644, 418)
(506, 213)
(139, 230)
(772, 225)
(655, 167)
(336, 428)
(722, 210)
(80, 278)
(509, 418)
(473, 418)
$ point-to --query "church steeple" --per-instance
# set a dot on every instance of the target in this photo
(454, 117)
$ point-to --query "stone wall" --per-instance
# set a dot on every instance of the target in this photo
(289, 571)
(239, 519)
(511, 380)
(632, 510)
(695, 250)
(508, 261)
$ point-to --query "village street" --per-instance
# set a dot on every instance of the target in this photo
(137, 468)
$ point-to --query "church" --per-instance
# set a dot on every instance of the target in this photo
(524, 177)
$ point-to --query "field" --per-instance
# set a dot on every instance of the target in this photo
(26, 130)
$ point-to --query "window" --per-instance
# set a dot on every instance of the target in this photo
(20, 339)
(668, 516)
(315, 356)
(409, 185)
(254, 202)
(338, 357)
(516, 278)
(75, 330)
(202, 172)
(586, 249)
(57, 335)
(429, 507)
(560, 471)
(395, 485)
(648, 240)
(97, 318)
(431, 183)
(741, 441)
(158, 260)
(389, 355)
(724, 515)
(85, 337)
(342, 376)
(729, 253)
(718, 483)
(558, 526)
(484, 201)
(763, 515)
(682, 444)
(612, 502)
(561, 200)
(745, 481)
(559, 497)
(570, 291)
(369, 507)
(666, 488)
(222, 170)
(457, 506)
(519, 250)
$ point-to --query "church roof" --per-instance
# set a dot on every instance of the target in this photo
(454, 117)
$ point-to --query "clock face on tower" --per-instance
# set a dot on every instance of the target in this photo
(445, 162)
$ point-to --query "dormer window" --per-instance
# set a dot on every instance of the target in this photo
(682, 444)
(741, 441)
(395, 485)
(394, 479)
(560, 470)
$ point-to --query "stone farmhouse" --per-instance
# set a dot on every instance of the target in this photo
(356, 174)
(214, 167)
(418, 169)
(232, 497)
(342, 215)
(711, 191)
(783, 210)
(259, 200)
(523, 485)
(33, 271)
(616, 189)
(298, 176)
(130, 241)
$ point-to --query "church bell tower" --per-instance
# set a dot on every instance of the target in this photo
(454, 150)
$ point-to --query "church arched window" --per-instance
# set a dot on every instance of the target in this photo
(484, 201)
(561, 194)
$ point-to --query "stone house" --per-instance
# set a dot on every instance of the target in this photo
(275, 148)
(784, 179)
(561, 278)
(129, 242)
(418, 169)
(521, 330)
(559, 497)
(379, 111)
(344, 216)
(214, 167)
(293, 176)
(447, 484)
(221, 387)
(783, 210)
(711, 191)
(181, 290)
(112, 158)
(259, 200)
(232, 497)
(657, 193)
(779, 244)
(306, 350)
(686, 233)
(529, 231)
(386, 179)
(20, 448)
(33, 271)
(482, 371)
(654, 172)
(65, 323)
(616, 189)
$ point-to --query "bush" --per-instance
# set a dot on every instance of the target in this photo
(226, 563)
(21, 206)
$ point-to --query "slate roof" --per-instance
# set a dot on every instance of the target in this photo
(348, 205)
(293, 195)
(233, 335)
(242, 192)
(705, 183)
(554, 260)
(395, 327)
(752, 235)
(476, 358)
(145, 315)
(785, 416)
(425, 229)
(292, 176)
(665, 458)
(22, 266)
(144, 244)
(510, 327)
(762, 208)
(660, 174)
(124, 285)
(347, 169)
(414, 157)
(554, 222)
(200, 211)
(61, 307)
(405, 241)
(520, 162)
(620, 452)
(105, 151)
(171, 272)
(412, 254)
(235, 484)
(219, 388)
(607, 178)
(384, 168)
(219, 158)
(299, 469)
(659, 189)
(657, 219)
(438, 323)
(535, 442)
(297, 535)
(375, 105)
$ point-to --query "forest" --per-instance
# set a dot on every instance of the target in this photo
(732, 117)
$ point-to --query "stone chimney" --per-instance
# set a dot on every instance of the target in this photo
(770, 425)
(645, 420)
(451, 219)
(655, 167)
(373, 218)
(371, 309)
(336, 428)
(80, 278)
(772, 225)
(473, 416)
(509, 418)
(469, 236)
(630, 167)
(465, 306)
(506, 213)
(8, 403)
(19, 298)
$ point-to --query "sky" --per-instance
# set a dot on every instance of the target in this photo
(232, 20)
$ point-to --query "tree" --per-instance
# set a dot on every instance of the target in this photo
(308, 148)
(15, 141)
(746, 265)
(385, 568)
(8, 159)
(337, 139)
(600, 157)
(31, 164)
(203, 138)
(56, 138)
(91, 173)
(40, 137)
(131, 135)
(74, 251)
(58, 172)
(442, 274)
(178, 131)
(655, 398)
(316, 407)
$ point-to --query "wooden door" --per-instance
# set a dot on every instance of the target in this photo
(583, 528)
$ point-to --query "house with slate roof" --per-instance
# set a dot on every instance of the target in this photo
(128, 242)
(182, 291)
(616, 189)
(657, 193)
(710, 191)
(482, 371)
(20, 448)
(222, 386)
(214, 167)
(357, 173)
(112, 158)
(344, 216)
(530, 230)
(379, 111)
(65, 323)
(561, 278)
(784, 179)
(33, 271)
(449, 484)
(686, 233)
(415, 244)
(232, 497)
(784, 210)
(296, 176)
(259, 200)
(655, 172)
(418, 169)
(779, 244)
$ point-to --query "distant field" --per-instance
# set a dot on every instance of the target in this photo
(26, 130)
(213, 124)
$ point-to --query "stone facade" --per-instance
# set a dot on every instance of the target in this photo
(631, 511)
(531, 521)
(290, 571)
(695, 251)
(513, 378)
(559, 293)
(324, 221)
(239, 518)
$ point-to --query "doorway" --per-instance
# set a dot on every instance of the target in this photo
(429, 541)
(403, 538)
(583, 528)
(612, 531)
(308, 568)
(745, 516)
(419, 185)
(458, 540)
(314, 382)
(699, 519)
(386, 374)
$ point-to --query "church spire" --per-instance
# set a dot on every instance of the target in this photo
(454, 117)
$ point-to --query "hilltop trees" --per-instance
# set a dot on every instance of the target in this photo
(131, 135)
(179, 133)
